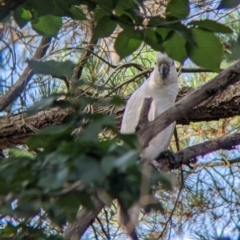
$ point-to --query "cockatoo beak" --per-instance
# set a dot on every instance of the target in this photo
(164, 70)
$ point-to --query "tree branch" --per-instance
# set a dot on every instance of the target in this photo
(26, 76)
(227, 142)
(14, 129)
(75, 230)
(187, 155)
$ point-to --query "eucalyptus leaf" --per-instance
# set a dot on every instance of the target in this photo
(178, 9)
(208, 52)
(175, 47)
(226, 4)
(22, 16)
(211, 25)
(54, 68)
(127, 42)
(47, 25)
(105, 27)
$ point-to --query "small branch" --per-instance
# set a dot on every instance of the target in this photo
(80, 65)
(229, 76)
(186, 155)
(227, 142)
(26, 76)
(143, 73)
(103, 229)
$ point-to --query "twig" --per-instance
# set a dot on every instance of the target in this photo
(103, 229)
(26, 76)
(127, 81)
(171, 214)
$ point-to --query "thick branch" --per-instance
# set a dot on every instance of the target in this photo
(211, 88)
(26, 76)
(14, 129)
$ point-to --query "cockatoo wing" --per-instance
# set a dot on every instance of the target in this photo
(132, 110)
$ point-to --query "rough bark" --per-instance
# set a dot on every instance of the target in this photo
(14, 129)
(189, 154)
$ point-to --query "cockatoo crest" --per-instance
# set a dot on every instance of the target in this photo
(164, 72)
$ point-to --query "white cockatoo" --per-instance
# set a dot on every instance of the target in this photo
(162, 87)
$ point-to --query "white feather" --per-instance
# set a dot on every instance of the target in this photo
(163, 92)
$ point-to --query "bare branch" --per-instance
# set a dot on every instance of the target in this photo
(227, 142)
(26, 76)
(187, 155)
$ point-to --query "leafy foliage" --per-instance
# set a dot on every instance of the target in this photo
(62, 166)
(46, 20)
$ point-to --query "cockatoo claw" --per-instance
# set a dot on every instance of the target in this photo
(172, 158)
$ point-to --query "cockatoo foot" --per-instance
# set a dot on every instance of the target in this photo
(172, 159)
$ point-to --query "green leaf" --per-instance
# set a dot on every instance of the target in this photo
(122, 5)
(104, 28)
(127, 42)
(53, 180)
(100, 13)
(15, 152)
(47, 25)
(54, 68)
(70, 210)
(235, 51)
(43, 7)
(8, 231)
(109, 5)
(156, 21)
(178, 9)
(208, 52)
(42, 104)
(178, 53)
(163, 32)
(22, 16)
(75, 13)
(226, 4)
(182, 31)
(153, 39)
(91, 131)
(211, 26)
